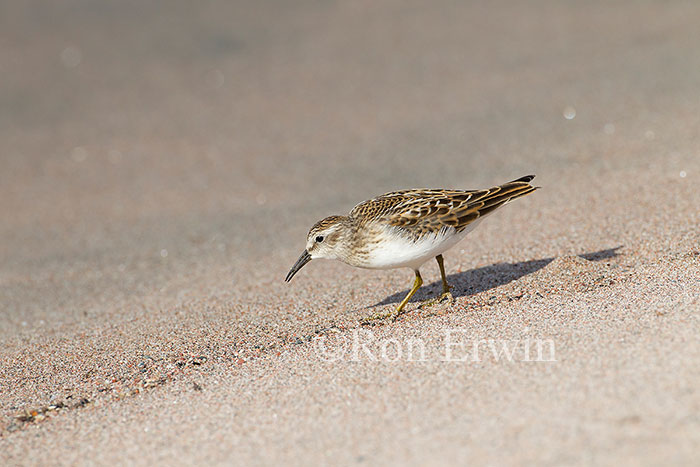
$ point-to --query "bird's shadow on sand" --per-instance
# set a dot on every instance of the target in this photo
(479, 280)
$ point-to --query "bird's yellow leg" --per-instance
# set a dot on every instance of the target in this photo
(446, 295)
(445, 286)
(399, 309)
(416, 285)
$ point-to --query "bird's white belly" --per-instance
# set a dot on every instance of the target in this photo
(400, 251)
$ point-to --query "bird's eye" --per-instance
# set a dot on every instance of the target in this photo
(319, 239)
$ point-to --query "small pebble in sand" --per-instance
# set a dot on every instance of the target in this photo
(71, 57)
(569, 112)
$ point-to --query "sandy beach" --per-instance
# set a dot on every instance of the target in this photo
(163, 162)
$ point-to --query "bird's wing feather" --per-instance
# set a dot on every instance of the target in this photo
(421, 211)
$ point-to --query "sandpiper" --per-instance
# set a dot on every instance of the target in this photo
(404, 229)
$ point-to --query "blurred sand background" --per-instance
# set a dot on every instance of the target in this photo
(161, 163)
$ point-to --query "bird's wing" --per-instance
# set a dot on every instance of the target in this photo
(421, 211)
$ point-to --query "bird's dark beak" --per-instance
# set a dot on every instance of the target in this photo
(303, 259)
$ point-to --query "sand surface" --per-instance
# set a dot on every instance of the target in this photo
(163, 161)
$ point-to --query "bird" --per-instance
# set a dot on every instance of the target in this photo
(405, 229)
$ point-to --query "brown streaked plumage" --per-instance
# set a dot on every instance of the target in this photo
(406, 228)
(429, 210)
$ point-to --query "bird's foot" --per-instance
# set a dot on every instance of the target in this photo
(376, 319)
(446, 297)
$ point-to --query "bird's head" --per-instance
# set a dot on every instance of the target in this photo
(326, 239)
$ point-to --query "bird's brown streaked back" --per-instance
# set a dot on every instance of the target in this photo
(430, 210)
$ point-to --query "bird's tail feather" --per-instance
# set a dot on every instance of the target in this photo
(503, 194)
